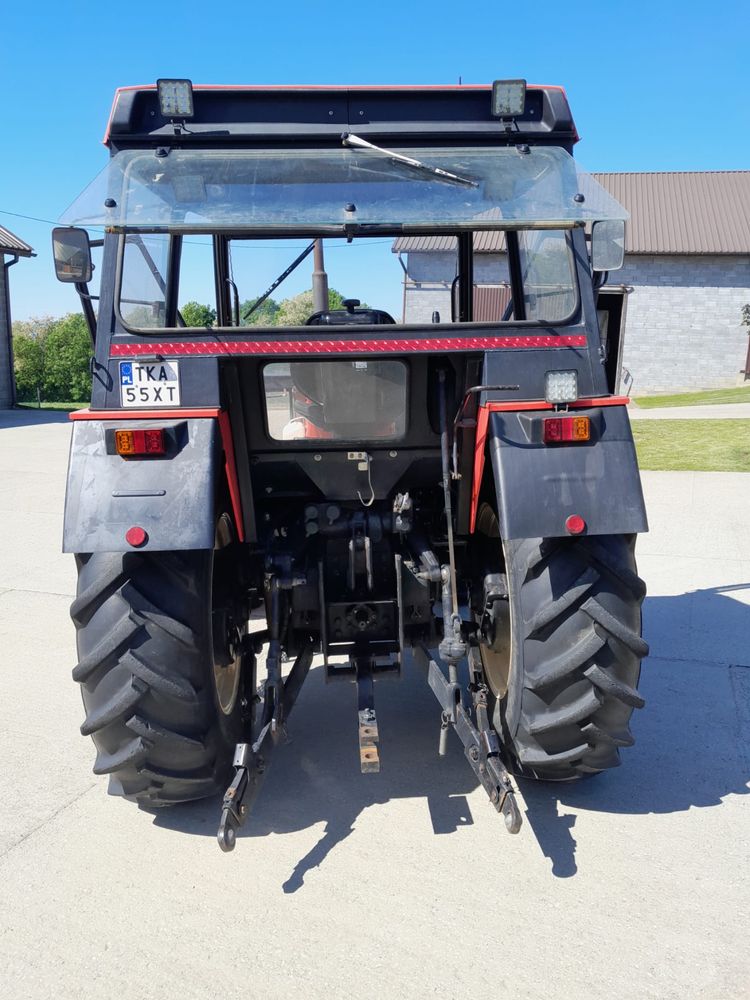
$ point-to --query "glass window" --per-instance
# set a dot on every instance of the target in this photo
(336, 400)
(549, 288)
(144, 277)
(194, 190)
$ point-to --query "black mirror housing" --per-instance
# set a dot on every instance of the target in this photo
(71, 250)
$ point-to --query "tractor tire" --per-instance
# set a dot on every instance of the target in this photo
(163, 716)
(565, 674)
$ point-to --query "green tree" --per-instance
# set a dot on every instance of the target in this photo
(67, 356)
(265, 314)
(195, 314)
(29, 337)
(28, 362)
(296, 311)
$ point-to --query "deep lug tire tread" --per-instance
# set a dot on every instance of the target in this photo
(145, 661)
(576, 612)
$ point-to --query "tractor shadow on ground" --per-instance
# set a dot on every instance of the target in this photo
(692, 749)
(692, 738)
(315, 777)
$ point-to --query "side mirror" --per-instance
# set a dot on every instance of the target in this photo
(72, 252)
(608, 245)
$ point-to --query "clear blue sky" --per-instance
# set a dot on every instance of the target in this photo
(659, 85)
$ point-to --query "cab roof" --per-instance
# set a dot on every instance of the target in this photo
(317, 115)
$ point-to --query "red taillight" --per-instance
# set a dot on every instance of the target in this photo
(561, 429)
(146, 442)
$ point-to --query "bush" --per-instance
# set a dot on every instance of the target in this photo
(53, 356)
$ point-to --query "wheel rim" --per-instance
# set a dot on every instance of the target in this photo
(227, 625)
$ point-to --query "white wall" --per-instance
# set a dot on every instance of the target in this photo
(684, 321)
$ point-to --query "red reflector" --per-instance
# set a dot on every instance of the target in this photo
(575, 524)
(557, 429)
(136, 536)
(150, 442)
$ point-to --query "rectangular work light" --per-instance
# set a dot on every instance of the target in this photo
(175, 98)
(561, 387)
(508, 98)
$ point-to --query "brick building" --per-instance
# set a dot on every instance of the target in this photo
(687, 272)
(11, 248)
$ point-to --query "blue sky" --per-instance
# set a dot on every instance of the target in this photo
(653, 86)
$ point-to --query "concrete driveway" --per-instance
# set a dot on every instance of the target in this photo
(402, 884)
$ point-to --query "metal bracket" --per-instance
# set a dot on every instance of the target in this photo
(369, 759)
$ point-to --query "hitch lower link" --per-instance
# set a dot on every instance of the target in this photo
(481, 744)
(251, 759)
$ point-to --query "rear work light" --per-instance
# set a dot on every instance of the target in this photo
(561, 429)
(135, 443)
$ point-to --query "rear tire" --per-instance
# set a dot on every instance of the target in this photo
(564, 700)
(147, 654)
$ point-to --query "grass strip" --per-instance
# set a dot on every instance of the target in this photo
(740, 394)
(693, 445)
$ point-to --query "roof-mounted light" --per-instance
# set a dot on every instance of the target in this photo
(508, 98)
(175, 98)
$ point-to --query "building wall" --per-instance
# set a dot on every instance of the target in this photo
(684, 321)
(6, 374)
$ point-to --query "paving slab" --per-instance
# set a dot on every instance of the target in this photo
(403, 883)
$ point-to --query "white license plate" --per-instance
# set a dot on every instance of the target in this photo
(150, 383)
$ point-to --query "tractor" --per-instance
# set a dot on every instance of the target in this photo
(444, 490)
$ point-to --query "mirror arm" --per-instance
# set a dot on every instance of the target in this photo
(88, 310)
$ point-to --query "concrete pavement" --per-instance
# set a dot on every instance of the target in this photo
(634, 884)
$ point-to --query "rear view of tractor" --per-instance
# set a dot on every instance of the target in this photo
(430, 493)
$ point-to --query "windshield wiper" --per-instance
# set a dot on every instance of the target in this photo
(349, 139)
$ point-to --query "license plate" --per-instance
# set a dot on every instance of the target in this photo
(147, 383)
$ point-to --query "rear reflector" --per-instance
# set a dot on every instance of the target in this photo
(559, 429)
(136, 536)
(151, 442)
(575, 524)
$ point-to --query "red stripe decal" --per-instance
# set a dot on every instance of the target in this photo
(196, 348)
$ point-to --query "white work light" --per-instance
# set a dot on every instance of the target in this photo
(508, 98)
(175, 98)
(561, 387)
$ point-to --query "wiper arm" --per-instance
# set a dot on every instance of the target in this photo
(349, 139)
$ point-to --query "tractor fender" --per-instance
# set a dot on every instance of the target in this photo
(171, 497)
(538, 485)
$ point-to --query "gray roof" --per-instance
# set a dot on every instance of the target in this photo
(12, 244)
(670, 213)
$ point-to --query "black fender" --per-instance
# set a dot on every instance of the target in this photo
(171, 497)
(539, 485)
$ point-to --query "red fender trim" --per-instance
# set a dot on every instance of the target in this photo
(213, 413)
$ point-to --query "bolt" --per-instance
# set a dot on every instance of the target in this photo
(474, 753)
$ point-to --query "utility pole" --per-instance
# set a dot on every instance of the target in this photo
(319, 279)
